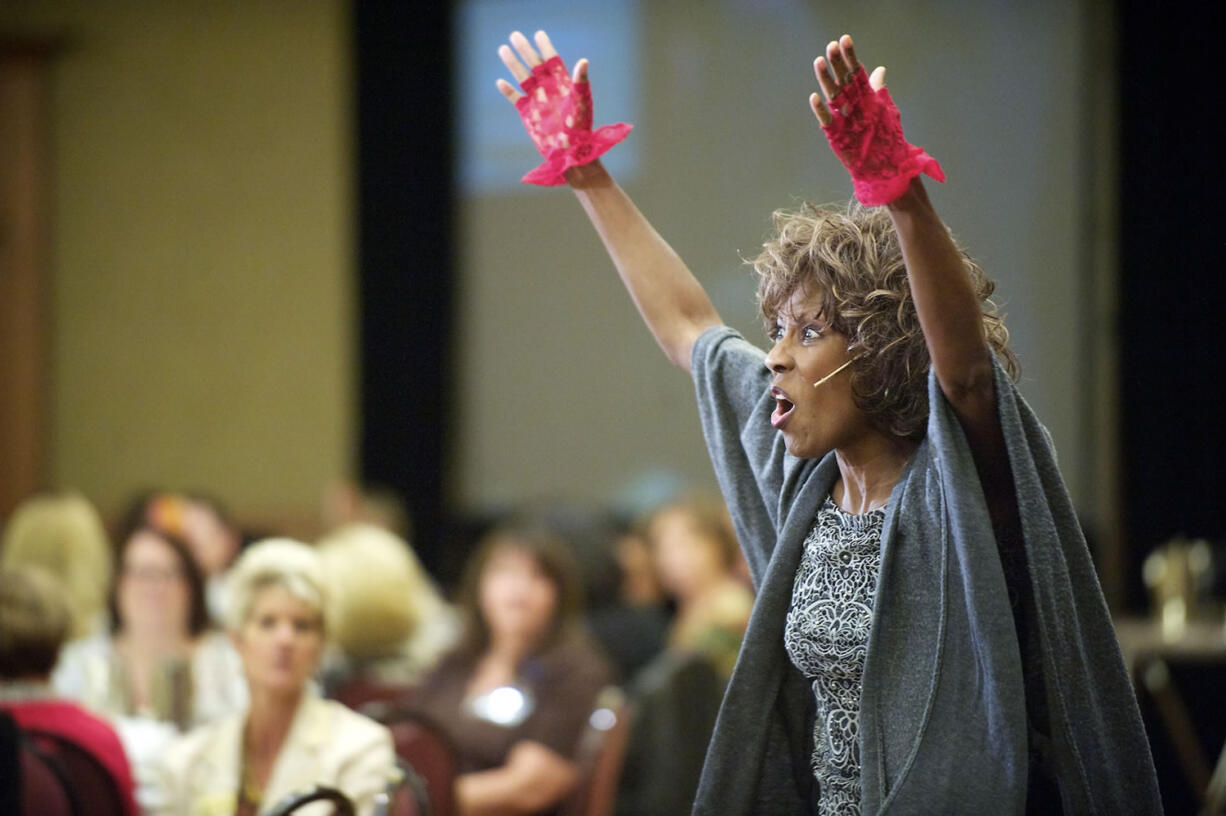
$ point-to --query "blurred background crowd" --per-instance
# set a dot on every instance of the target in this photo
(165, 642)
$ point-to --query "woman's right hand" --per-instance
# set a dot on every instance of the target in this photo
(556, 108)
(556, 96)
(670, 299)
(530, 58)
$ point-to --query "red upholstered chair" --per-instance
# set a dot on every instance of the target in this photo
(602, 750)
(89, 785)
(44, 791)
(361, 693)
(429, 755)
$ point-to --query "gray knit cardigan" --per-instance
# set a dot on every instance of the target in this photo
(943, 726)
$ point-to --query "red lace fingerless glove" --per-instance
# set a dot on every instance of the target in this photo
(558, 115)
(866, 135)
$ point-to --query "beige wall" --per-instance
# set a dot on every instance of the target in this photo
(203, 251)
(564, 391)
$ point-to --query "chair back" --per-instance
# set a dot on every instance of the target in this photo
(342, 805)
(28, 783)
(676, 700)
(405, 794)
(43, 790)
(601, 753)
(430, 760)
(88, 784)
(10, 764)
(1215, 794)
(360, 691)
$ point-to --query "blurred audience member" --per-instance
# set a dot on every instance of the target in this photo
(348, 503)
(161, 669)
(690, 546)
(34, 620)
(289, 739)
(516, 693)
(628, 620)
(204, 525)
(696, 554)
(64, 535)
(391, 625)
(640, 581)
(216, 541)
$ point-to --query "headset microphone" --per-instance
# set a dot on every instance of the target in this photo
(832, 373)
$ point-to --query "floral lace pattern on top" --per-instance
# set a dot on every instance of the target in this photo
(826, 637)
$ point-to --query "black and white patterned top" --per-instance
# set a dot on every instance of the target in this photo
(826, 637)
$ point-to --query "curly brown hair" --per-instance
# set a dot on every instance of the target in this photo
(850, 258)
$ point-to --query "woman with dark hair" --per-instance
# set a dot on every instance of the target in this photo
(161, 669)
(625, 619)
(695, 553)
(928, 635)
(515, 694)
(202, 523)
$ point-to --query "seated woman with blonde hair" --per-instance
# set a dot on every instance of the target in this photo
(290, 739)
(64, 535)
(390, 623)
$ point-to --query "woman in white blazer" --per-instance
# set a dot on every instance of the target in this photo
(290, 739)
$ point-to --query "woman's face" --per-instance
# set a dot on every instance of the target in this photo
(280, 642)
(686, 556)
(813, 420)
(153, 596)
(517, 597)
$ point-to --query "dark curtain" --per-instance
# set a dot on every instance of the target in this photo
(1170, 333)
(1171, 276)
(406, 260)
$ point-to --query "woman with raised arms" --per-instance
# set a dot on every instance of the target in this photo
(929, 635)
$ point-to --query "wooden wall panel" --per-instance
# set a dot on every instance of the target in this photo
(24, 241)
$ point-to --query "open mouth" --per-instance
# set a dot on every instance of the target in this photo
(783, 408)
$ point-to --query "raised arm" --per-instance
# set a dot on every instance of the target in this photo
(949, 310)
(668, 296)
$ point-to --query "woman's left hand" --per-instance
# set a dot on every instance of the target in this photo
(864, 128)
(836, 71)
